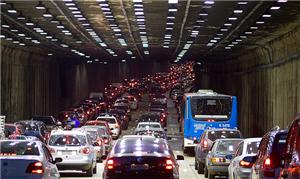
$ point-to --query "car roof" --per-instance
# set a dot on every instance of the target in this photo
(221, 129)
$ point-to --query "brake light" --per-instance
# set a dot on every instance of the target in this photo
(268, 170)
(110, 164)
(35, 168)
(267, 162)
(210, 120)
(245, 164)
(105, 141)
(66, 115)
(85, 150)
(218, 160)
(205, 144)
(169, 164)
(99, 141)
(88, 112)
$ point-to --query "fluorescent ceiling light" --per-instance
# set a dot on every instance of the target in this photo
(105, 9)
(172, 10)
(243, 36)
(170, 23)
(22, 44)
(260, 22)
(21, 35)
(14, 30)
(217, 38)
(73, 8)
(232, 18)
(282, 1)
(210, 44)
(169, 28)
(78, 15)
(239, 11)
(266, 15)
(224, 30)
(227, 24)
(254, 28)
(64, 45)
(16, 42)
(173, 1)
(86, 24)
(170, 17)
(29, 23)
(5, 26)
(54, 40)
(165, 46)
(242, 2)
(12, 11)
(137, 0)
(275, 7)
(138, 9)
(209, 2)
(81, 18)
(49, 37)
(60, 26)
(28, 38)
(70, 4)
(139, 13)
(213, 41)
(203, 14)
(238, 40)
(9, 38)
(40, 6)
(76, 12)
(43, 33)
(248, 32)
(227, 48)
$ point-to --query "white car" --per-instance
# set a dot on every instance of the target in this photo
(76, 149)
(113, 124)
(27, 159)
(239, 167)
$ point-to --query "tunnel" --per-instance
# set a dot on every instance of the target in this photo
(54, 53)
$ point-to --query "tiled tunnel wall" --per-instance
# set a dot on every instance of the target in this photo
(35, 84)
(267, 87)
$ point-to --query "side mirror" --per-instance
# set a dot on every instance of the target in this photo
(57, 160)
(180, 157)
(229, 157)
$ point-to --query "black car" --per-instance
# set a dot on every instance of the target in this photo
(141, 157)
(149, 117)
(35, 128)
(49, 121)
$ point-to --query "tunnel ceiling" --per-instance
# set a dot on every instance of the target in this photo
(103, 30)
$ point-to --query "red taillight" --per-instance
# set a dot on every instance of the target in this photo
(88, 112)
(35, 168)
(268, 168)
(169, 164)
(245, 164)
(105, 141)
(110, 164)
(267, 162)
(66, 115)
(85, 150)
(210, 120)
(205, 144)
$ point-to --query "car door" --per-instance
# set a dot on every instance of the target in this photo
(234, 164)
(51, 170)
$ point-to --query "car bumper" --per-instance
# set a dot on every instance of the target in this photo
(83, 165)
(218, 170)
(244, 172)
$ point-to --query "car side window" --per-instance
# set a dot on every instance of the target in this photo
(47, 154)
(239, 150)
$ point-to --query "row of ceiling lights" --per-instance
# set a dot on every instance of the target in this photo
(261, 20)
(170, 22)
(140, 19)
(202, 17)
(87, 26)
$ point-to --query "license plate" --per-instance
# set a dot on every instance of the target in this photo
(68, 152)
(139, 166)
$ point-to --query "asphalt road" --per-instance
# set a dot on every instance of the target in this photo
(187, 170)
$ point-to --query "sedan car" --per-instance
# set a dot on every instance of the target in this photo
(239, 167)
(133, 102)
(139, 156)
(13, 130)
(216, 162)
(113, 123)
(76, 149)
(27, 159)
(206, 140)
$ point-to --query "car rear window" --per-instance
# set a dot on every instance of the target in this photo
(252, 147)
(15, 148)
(227, 146)
(223, 134)
(148, 126)
(93, 134)
(67, 140)
(109, 120)
(10, 129)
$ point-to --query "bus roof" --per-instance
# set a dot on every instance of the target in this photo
(199, 94)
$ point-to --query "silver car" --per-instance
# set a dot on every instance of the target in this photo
(27, 159)
(76, 149)
(239, 167)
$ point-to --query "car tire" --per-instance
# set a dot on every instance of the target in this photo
(95, 170)
(196, 164)
(210, 176)
(200, 168)
(89, 172)
(205, 172)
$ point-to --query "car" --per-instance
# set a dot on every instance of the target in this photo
(133, 102)
(239, 167)
(27, 159)
(49, 121)
(206, 140)
(139, 156)
(13, 130)
(216, 162)
(113, 123)
(270, 153)
(99, 123)
(123, 116)
(291, 160)
(35, 128)
(97, 135)
(76, 149)
(160, 98)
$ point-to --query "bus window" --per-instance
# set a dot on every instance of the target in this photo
(218, 109)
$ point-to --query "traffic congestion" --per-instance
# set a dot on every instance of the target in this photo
(151, 127)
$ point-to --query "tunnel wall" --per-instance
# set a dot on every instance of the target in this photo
(267, 86)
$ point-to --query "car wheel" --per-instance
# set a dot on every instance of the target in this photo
(196, 164)
(200, 168)
(89, 172)
(205, 172)
(95, 169)
(210, 176)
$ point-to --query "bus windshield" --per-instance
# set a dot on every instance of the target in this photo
(217, 109)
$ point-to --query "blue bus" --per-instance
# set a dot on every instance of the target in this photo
(206, 109)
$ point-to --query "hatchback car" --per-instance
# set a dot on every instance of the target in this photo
(138, 157)
(291, 161)
(216, 162)
(113, 123)
(76, 149)
(206, 140)
(269, 155)
(27, 159)
(239, 167)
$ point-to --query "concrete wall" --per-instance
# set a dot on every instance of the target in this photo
(267, 86)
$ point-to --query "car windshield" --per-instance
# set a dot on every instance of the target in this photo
(67, 140)
(216, 108)
(109, 120)
(15, 148)
(223, 134)
(148, 126)
(252, 147)
(227, 146)
(46, 120)
(139, 147)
